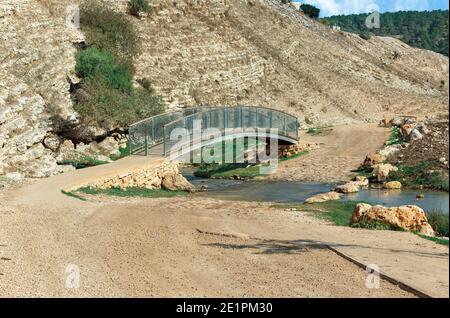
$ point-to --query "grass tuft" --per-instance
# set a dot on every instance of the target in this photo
(437, 240)
(83, 162)
(73, 195)
(294, 156)
(439, 222)
(132, 192)
(123, 153)
(395, 137)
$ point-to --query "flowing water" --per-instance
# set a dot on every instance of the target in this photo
(296, 192)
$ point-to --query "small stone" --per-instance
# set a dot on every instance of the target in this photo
(414, 135)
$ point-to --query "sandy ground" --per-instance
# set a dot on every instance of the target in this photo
(341, 150)
(192, 246)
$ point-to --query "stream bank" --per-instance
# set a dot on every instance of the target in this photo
(297, 191)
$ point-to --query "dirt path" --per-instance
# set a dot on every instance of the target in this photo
(342, 149)
(152, 247)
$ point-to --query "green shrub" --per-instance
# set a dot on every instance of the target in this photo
(439, 222)
(110, 108)
(106, 97)
(395, 137)
(137, 6)
(365, 36)
(421, 175)
(108, 30)
(91, 63)
(309, 10)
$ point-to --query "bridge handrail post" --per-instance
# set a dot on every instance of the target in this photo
(146, 143)
(241, 122)
(225, 118)
(153, 130)
(164, 140)
(284, 124)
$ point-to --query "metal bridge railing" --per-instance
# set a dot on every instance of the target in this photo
(150, 131)
(157, 130)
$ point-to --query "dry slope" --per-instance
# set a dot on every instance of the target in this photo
(265, 53)
(210, 53)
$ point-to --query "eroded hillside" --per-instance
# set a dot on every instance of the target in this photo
(210, 53)
(263, 53)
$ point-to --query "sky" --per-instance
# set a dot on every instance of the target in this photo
(336, 7)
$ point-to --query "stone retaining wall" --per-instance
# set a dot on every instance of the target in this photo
(165, 176)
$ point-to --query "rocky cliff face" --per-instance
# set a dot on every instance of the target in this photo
(36, 57)
(209, 53)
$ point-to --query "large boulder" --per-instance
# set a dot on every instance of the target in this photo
(176, 182)
(350, 187)
(392, 185)
(408, 217)
(323, 197)
(109, 146)
(382, 171)
(52, 142)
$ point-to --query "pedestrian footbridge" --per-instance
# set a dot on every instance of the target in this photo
(152, 136)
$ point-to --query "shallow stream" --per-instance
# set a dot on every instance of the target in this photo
(295, 192)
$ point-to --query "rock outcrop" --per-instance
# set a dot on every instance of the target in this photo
(408, 217)
(36, 56)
